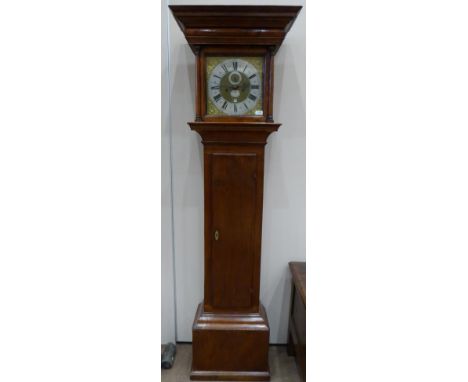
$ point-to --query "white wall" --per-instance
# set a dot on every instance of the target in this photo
(168, 317)
(284, 197)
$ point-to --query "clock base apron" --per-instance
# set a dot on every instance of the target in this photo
(230, 347)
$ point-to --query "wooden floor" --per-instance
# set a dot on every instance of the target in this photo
(282, 367)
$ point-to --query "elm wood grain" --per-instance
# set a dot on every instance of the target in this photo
(237, 25)
(233, 185)
(297, 317)
(245, 133)
(233, 262)
(231, 331)
(230, 347)
(233, 178)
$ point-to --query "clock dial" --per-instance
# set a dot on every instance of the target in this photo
(234, 85)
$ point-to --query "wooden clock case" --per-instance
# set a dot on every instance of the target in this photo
(231, 330)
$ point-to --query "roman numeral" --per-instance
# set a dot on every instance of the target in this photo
(225, 68)
(217, 97)
(252, 87)
(217, 87)
(252, 76)
(235, 108)
(245, 67)
(246, 107)
(214, 75)
(225, 105)
(252, 97)
(234, 65)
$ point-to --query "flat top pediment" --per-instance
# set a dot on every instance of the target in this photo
(235, 25)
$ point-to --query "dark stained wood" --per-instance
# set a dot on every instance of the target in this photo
(198, 89)
(298, 273)
(235, 30)
(241, 133)
(233, 178)
(230, 347)
(270, 86)
(238, 25)
(231, 330)
(297, 317)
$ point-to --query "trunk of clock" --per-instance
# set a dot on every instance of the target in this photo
(231, 331)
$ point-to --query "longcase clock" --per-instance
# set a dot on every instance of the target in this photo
(234, 48)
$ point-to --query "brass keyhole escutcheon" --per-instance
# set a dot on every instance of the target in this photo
(216, 235)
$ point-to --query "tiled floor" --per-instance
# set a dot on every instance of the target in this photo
(282, 367)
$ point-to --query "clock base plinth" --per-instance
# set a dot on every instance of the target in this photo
(230, 346)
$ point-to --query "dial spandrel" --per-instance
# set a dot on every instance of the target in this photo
(234, 85)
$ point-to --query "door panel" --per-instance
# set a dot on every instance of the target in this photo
(233, 199)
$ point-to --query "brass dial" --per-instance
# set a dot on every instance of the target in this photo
(234, 87)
